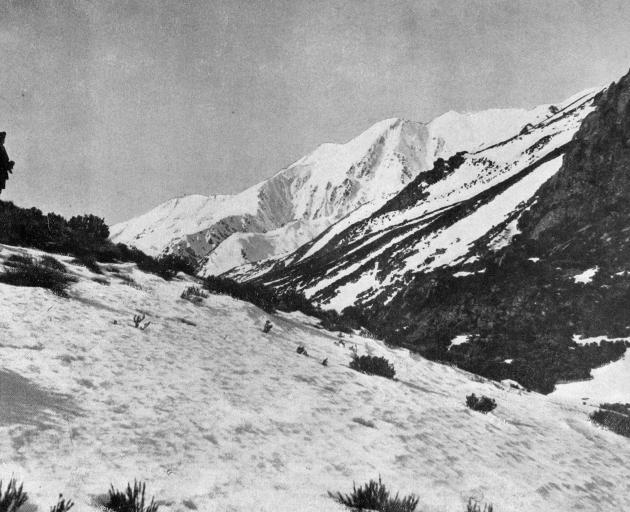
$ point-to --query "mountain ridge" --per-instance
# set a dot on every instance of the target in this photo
(328, 183)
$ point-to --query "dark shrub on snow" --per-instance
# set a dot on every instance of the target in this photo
(615, 417)
(129, 500)
(62, 505)
(373, 365)
(53, 263)
(37, 273)
(481, 404)
(194, 294)
(257, 294)
(375, 496)
(12, 497)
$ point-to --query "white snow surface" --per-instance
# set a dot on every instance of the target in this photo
(587, 276)
(206, 408)
(459, 340)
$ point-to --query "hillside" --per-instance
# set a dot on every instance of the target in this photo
(280, 214)
(434, 221)
(216, 415)
(518, 248)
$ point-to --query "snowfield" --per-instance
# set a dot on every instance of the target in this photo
(214, 413)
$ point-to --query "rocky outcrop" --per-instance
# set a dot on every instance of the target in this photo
(583, 212)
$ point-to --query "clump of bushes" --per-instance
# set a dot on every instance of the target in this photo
(130, 500)
(13, 497)
(194, 294)
(375, 496)
(84, 236)
(167, 267)
(373, 365)
(42, 273)
(615, 417)
(481, 404)
(257, 294)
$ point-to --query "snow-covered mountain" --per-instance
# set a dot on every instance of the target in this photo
(280, 214)
(214, 415)
(435, 221)
(496, 246)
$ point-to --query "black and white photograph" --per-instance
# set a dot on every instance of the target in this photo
(314, 255)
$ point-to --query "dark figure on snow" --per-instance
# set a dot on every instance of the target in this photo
(6, 165)
(267, 327)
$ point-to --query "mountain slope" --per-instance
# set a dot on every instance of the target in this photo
(314, 192)
(434, 221)
(215, 415)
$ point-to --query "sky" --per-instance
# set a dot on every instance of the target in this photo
(112, 107)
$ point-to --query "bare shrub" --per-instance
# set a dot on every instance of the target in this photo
(375, 496)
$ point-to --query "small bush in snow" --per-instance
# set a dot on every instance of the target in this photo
(37, 273)
(373, 365)
(13, 497)
(130, 500)
(62, 505)
(375, 496)
(137, 322)
(481, 404)
(474, 506)
(194, 294)
(615, 417)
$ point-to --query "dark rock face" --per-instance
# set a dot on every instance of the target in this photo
(592, 190)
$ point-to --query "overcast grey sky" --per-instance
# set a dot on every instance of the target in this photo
(112, 107)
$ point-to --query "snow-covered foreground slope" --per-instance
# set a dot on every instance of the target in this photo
(314, 192)
(206, 408)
